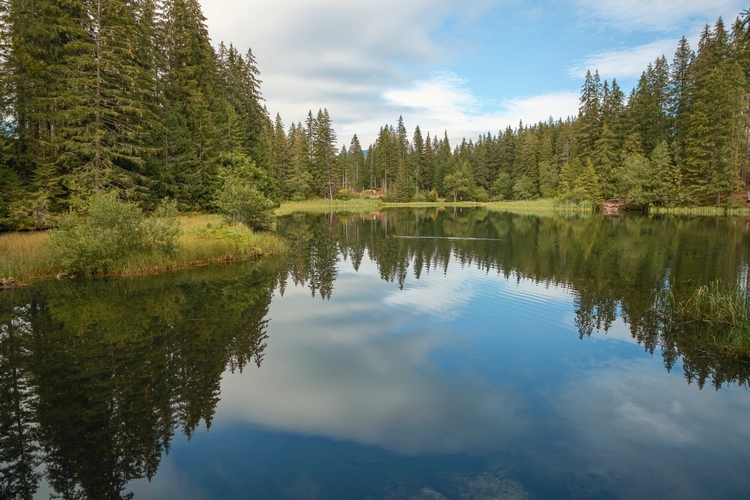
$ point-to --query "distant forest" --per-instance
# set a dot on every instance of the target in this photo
(131, 96)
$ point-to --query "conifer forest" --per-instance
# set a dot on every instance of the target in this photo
(132, 96)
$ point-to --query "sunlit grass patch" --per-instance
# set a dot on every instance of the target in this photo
(542, 205)
(325, 206)
(427, 204)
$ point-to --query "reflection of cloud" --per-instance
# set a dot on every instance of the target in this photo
(532, 290)
(352, 378)
(440, 296)
(628, 417)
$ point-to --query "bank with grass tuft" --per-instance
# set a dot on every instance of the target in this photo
(115, 239)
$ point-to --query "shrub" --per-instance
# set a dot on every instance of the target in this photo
(241, 202)
(238, 200)
(432, 196)
(163, 228)
(345, 195)
(110, 230)
(523, 189)
(503, 186)
(481, 195)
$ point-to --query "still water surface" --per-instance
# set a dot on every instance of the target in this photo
(494, 356)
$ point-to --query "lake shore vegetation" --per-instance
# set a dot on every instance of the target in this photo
(717, 309)
(373, 204)
(115, 240)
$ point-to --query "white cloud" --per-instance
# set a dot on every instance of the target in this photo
(658, 15)
(625, 63)
(366, 62)
(334, 54)
(445, 102)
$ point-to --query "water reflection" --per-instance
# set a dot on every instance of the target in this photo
(613, 267)
(96, 376)
(432, 346)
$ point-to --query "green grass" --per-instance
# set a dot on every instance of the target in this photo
(706, 211)
(726, 308)
(542, 205)
(427, 204)
(325, 206)
(205, 239)
(370, 204)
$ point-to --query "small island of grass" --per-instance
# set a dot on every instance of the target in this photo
(115, 239)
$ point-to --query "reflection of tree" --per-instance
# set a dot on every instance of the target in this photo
(100, 374)
(612, 266)
(19, 453)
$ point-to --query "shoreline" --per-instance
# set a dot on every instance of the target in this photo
(205, 240)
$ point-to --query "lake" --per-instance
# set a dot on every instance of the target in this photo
(401, 354)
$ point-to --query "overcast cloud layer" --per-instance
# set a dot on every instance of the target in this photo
(466, 67)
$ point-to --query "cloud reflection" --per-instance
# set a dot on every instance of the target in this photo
(370, 377)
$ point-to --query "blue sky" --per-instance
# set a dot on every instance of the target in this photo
(466, 67)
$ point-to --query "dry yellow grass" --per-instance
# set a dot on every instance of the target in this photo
(24, 256)
(205, 239)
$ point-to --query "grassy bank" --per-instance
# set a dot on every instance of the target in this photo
(204, 239)
(370, 204)
(705, 211)
(326, 206)
(543, 205)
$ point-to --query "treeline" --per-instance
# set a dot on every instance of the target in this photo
(679, 138)
(131, 96)
(126, 96)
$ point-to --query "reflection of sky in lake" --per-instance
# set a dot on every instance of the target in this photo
(456, 365)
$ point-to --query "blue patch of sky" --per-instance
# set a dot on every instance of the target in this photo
(517, 50)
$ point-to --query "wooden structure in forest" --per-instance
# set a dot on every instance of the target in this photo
(612, 207)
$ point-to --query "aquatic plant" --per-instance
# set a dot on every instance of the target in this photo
(725, 307)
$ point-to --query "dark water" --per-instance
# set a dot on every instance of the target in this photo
(505, 356)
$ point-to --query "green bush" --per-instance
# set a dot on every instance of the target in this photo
(523, 189)
(163, 228)
(238, 200)
(432, 196)
(345, 195)
(503, 186)
(241, 202)
(110, 230)
(481, 195)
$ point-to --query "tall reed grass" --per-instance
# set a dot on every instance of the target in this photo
(25, 256)
(727, 308)
(204, 239)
